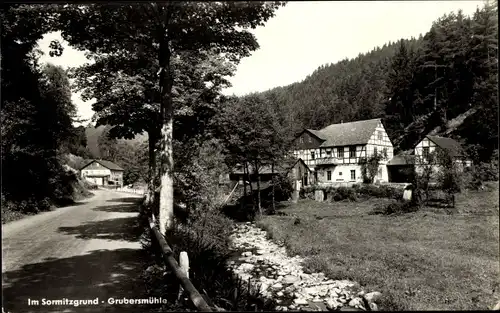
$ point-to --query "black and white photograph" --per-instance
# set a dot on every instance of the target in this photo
(249, 156)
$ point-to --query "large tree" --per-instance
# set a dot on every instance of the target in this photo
(127, 96)
(167, 28)
(36, 110)
(253, 136)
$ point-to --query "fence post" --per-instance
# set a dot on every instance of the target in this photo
(184, 264)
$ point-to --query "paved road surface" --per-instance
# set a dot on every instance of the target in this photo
(86, 251)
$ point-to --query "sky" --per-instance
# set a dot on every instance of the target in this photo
(306, 34)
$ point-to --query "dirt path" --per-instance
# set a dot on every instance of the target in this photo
(86, 251)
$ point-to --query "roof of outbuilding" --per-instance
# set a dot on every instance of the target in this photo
(108, 164)
(401, 159)
(317, 133)
(346, 134)
(267, 169)
(453, 147)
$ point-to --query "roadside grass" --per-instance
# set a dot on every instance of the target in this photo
(10, 215)
(15, 210)
(425, 260)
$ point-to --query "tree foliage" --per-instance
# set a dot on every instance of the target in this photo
(36, 112)
(370, 166)
(165, 30)
(252, 135)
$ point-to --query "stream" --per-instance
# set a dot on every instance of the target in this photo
(281, 277)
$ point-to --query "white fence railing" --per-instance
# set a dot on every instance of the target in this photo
(137, 191)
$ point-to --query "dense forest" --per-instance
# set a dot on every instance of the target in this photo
(415, 85)
(36, 119)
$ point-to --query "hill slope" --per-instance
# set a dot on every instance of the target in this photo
(445, 82)
(93, 134)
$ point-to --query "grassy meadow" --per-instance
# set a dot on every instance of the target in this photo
(426, 260)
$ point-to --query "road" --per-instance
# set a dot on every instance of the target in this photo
(86, 251)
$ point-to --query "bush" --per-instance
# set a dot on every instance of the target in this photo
(342, 193)
(307, 192)
(383, 191)
(283, 188)
(396, 207)
(474, 177)
(205, 237)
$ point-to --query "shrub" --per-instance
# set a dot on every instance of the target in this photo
(343, 193)
(392, 192)
(283, 188)
(205, 237)
(307, 192)
(477, 174)
(380, 192)
(395, 207)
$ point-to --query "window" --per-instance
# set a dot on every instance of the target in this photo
(341, 152)
(301, 140)
(352, 151)
(353, 174)
(340, 173)
(380, 135)
(328, 153)
(375, 151)
(312, 155)
(384, 152)
(309, 139)
(329, 175)
(425, 152)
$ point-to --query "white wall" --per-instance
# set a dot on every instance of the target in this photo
(91, 172)
(419, 148)
(382, 175)
(340, 173)
(380, 143)
(306, 156)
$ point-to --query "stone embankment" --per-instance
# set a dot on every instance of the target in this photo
(282, 278)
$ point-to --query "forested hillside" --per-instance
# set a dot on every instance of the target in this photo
(93, 133)
(415, 85)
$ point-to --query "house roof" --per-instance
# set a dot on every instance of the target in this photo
(108, 164)
(346, 134)
(453, 147)
(317, 133)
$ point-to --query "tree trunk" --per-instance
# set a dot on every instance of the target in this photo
(259, 207)
(150, 196)
(251, 189)
(272, 181)
(243, 203)
(167, 160)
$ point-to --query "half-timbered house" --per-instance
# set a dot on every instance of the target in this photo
(334, 152)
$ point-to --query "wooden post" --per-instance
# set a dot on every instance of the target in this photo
(497, 307)
(184, 264)
(229, 196)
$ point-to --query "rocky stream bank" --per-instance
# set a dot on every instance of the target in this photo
(281, 277)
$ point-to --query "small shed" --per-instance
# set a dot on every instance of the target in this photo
(400, 168)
